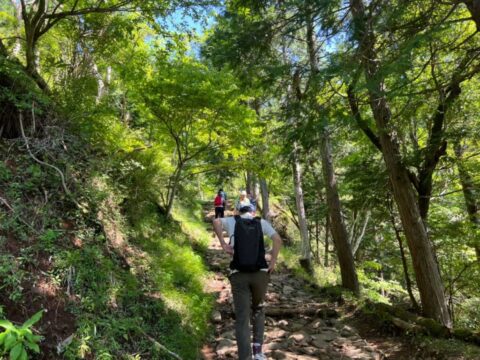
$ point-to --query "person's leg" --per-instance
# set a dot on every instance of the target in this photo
(222, 212)
(259, 289)
(217, 212)
(241, 300)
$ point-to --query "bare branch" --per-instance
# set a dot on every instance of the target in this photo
(67, 191)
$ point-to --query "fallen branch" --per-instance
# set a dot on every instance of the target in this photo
(406, 326)
(65, 188)
(413, 323)
(160, 346)
(7, 205)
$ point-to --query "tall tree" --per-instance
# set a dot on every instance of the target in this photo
(198, 109)
(40, 16)
(338, 229)
(426, 268)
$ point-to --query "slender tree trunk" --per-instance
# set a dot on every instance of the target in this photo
(356, 236)
(327, 234)
(469, 194)
(317, 239)
(305, 260)
(173, 189)
(265, 198)
(18, 14)
(95, 72)
(99, 78)
(408, 282)
(248, 182)
(339, 232)
(426, 268)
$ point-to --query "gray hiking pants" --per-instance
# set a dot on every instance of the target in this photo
(248, 290)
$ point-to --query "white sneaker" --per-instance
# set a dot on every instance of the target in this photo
(259, 356)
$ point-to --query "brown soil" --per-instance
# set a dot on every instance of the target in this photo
(57, 323)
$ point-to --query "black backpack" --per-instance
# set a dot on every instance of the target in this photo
(249, 248)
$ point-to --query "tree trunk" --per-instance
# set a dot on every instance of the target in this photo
(317, 240)
(474, 8)
(31, 57)
(339, 232)
(265, 199)
(95, 72)
(173, 189)
(426, 268)
(408, 282)
(327, 233)
(248, 182)
(18, 14)
(305, 260)
(469, 194)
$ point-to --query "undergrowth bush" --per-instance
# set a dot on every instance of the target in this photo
(119, 306)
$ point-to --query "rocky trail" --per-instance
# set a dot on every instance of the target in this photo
(300, 324)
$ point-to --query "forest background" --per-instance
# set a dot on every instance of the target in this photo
(355, 123)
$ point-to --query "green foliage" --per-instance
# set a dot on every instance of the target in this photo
(468, 315)
(138, 122)
(48, 239)
(17, 341)
(11, 276)
(17, 89)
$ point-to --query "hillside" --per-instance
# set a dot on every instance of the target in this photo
(350, 126)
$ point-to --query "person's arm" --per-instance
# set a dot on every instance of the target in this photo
(218, 228)
(277, 244)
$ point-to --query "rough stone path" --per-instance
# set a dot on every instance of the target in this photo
(298, 324)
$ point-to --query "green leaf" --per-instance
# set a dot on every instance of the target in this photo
(2, 336)
(16, 351)
(7, 324)
(29, 336)
(32, 338)
(33, 346)
(10, 341)
(33, 319)
(23, 355)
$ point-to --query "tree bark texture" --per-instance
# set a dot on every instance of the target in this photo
(327, 241)
(337, 226)
(265, 198)
(469, 193)
(302, 218)
(174, 182)
(408, 282)
(248, 182)
(426, 268)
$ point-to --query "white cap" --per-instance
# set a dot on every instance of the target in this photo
(243, 192)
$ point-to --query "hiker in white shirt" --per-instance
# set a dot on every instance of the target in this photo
(249, 284)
